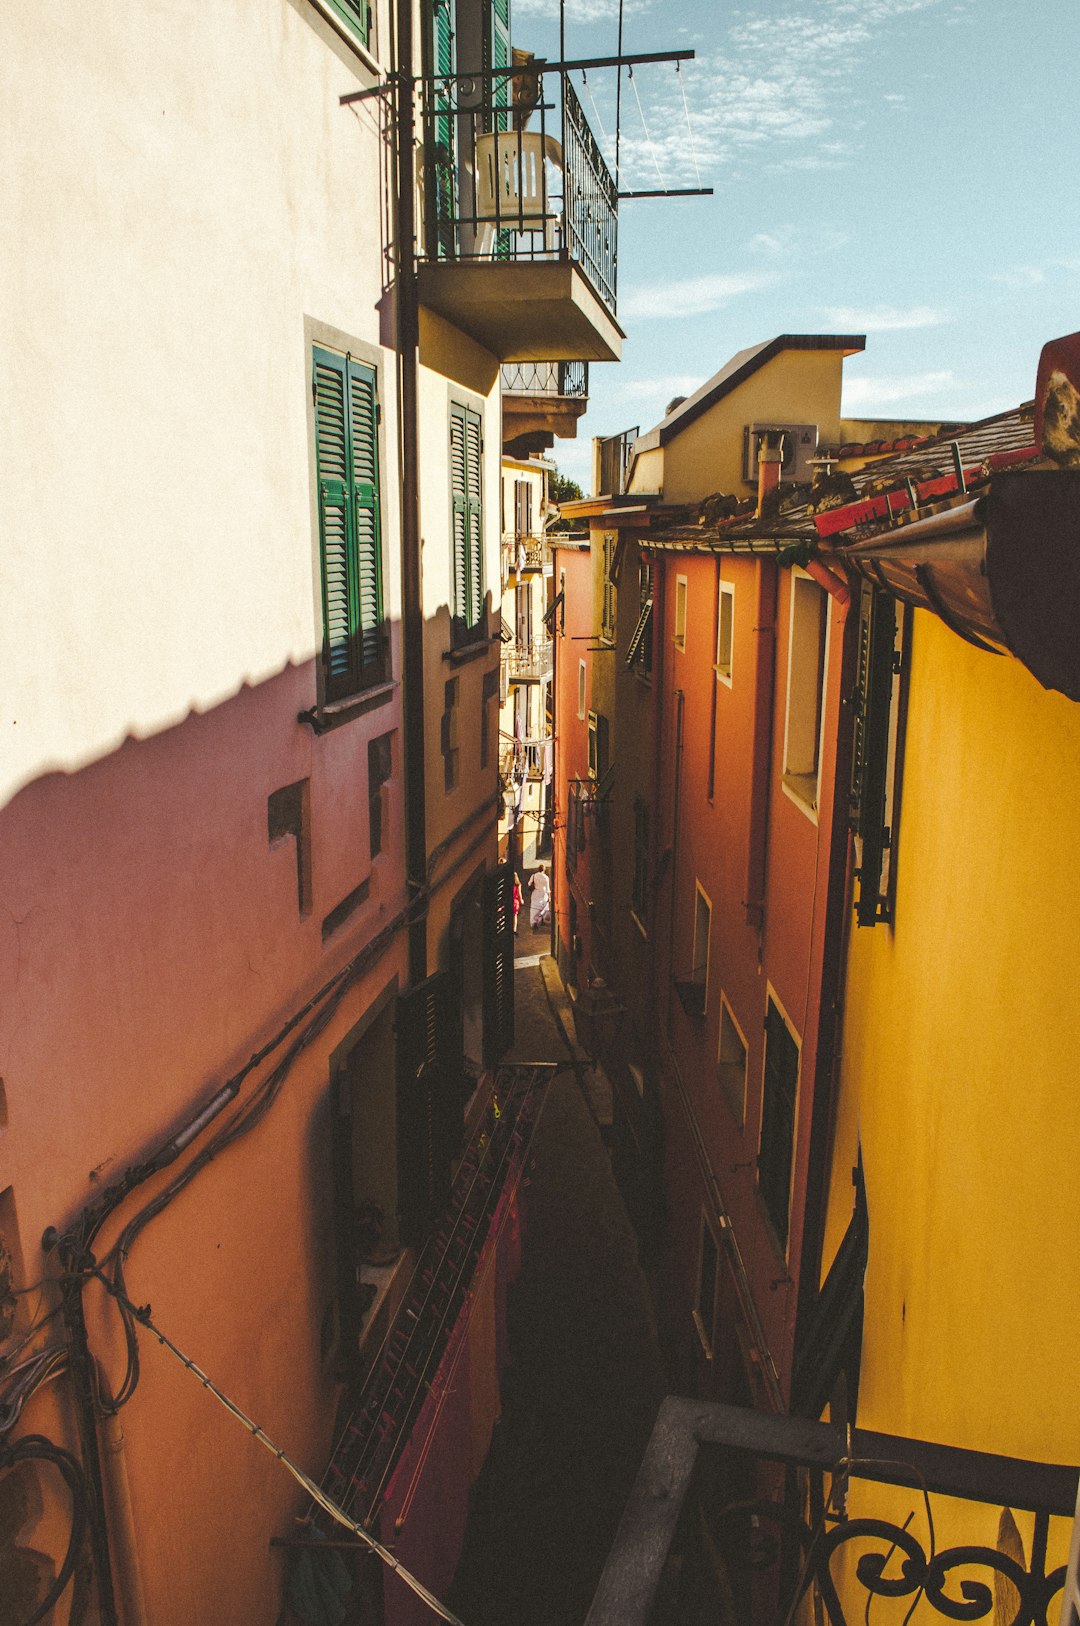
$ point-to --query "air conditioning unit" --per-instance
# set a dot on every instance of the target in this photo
(800, 445)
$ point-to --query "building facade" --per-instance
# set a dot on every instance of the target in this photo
(257, 946)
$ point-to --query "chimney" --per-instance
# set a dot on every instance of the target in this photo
(770, 461)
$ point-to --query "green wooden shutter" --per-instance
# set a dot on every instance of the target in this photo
(442, 173)
(364, 433)
(430, 1069)
(357, 13)
(467, 519)
(347, 466)
(498, 964)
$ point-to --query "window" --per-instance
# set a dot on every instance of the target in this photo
(466, 479)
(598, 745)
(776, 1151)
(806, 684)
(731, 1061)
(448, 736)
(488, 717)
(639, 654)
(356, 14)
(704, 1311)
(523, 508)
(581, 690)
(725, 629)
(639, 897)
(680, 612)
(879, 704)
(692, 990)
(347, 470)
(288, 814)
(561, 601)
(380, 763)
(609, 541)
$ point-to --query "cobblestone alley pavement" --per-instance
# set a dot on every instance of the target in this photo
(584, 1381)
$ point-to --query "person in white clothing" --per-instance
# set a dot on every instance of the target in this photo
(540, 903)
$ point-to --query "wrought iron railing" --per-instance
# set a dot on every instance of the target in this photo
(741, 1515)
(615, 460)
(524, 551)
(528, 659)
(505, 183)
(558, 378)
(522, 759)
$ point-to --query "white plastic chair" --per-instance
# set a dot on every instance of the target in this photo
(512, 193)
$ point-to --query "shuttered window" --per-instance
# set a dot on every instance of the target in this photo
(776, 1152)
(498, 963)
(356, 14)
(466, 483)
(430, 1101)
(442, 201)
(347, 464)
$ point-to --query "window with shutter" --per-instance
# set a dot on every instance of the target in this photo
(466, 491)
(442, 177)
(878, 705)
(347, 469)
(430, 1100)
(498, 964)
(776, 1151)
(356, 14)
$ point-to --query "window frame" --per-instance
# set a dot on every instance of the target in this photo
(365, 658)
(681, 599)
(723, 667)
(582, 690)
(800, 783)
(357, 18)
(736, 1099)
(781, 1232)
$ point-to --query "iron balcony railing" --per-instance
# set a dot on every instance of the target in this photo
(615, 460)
(516, 182)
(522, 759)
(528, 660)
(745, 1516)
(567, 379)
(524, 551)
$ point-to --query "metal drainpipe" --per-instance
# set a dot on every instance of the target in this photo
(407, 336)
(658, 735)
(81, 1369)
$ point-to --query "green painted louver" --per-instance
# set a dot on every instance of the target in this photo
(466, 488)
(443, 173)
(356, 14)
(347, 456)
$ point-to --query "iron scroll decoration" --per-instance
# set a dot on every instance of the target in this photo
(919, 1574)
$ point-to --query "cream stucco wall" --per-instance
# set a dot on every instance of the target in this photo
(182, 192)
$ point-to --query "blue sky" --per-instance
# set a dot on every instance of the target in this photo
(907, 169)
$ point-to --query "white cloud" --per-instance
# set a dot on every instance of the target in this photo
(860, 393)
(661, 389)
(882, 318)
(692, 296)
(790, 88)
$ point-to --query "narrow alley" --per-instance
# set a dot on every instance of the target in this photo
(584, 1381)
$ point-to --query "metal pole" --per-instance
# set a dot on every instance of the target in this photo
(618, 97)
(407, 335)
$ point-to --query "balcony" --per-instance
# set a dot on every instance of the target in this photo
(527, 661)
(519, 224)
(746, 1516)
(522, 759)
(542, 400)
(615, 462)
(524, 555)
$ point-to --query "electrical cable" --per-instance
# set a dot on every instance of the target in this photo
(35, 1447)
(142, 1316)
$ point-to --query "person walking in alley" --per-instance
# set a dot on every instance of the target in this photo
(540, 906)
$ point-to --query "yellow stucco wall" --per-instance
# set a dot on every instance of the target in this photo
(796, 386)
(959, 1071)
